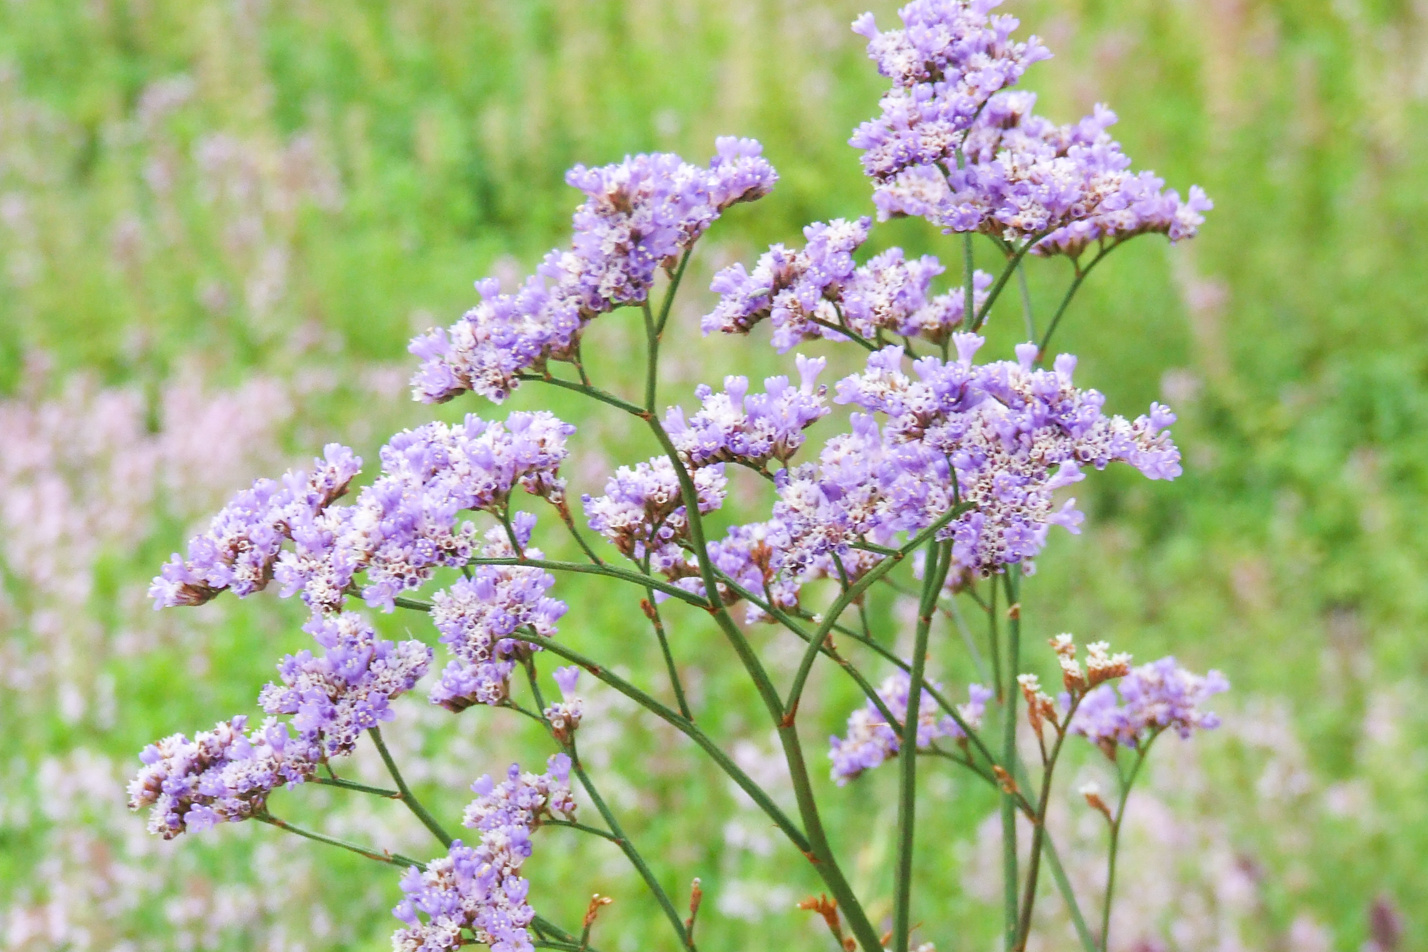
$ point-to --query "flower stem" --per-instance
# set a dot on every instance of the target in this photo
(658, 622)
(1026, 302)
(1009, 858)
(617, 834)
(359, 787)
(939, 558)
(383, 856)
(1116, 842)
(406, 795)
(1081, 274)
(1038, 836)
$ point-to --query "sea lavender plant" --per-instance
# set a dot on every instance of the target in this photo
(945, 473)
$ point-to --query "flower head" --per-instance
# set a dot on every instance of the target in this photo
(638, 216)
(1152, 698)
(221, 776)
(478, 890)
(335, 696)
(871, 740)
(478, 616)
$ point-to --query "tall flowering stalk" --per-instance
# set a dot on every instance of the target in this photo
(945, 470)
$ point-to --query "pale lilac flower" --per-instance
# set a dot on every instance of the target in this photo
(871, 740)
(407, 524)
(564, 715)
(639, 215)
(346, 690)
(892, 294)
(477, 617)
(1024, 178)
(242, 542)
(1153, 697)
(750, 429)
(642, 512)
(949, 59)
(477, 892)
(1012, 433)
(794, 289)
(221, 776)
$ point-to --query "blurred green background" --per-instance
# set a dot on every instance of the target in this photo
(221, 221)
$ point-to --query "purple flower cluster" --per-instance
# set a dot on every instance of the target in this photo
(564, 716)
(221, 776)
(871, 740)
(477, 616)
(643, 514)
(1153, 697)
(224, 775)
(891, 294)
(639, 215)
(479, 889)
(734, 426)
(1004, 436)
(334, 697)
(243, 541)
(820, 292)
(797, 290)
(1025, 178)
(407, 524)
(950, 58)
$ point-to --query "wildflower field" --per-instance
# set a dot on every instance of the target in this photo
(222, 222)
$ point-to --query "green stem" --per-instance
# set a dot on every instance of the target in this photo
(564, 511)
(566, 939)
(978, 661)
(669, 664)
(1068, 895)
(1009, 858)
(935, 572)
(578, 568)
(581, 827)
(618, 835)
(359, 787)
(968, 290)
(1070, 293)
(396, 859)
(1002, 279)
(407, 797)
(1038, 835)
(652, 335)
(1026, 302)
(854, 591)
(1116, 842)
(670, 291)
(683, 725)
(821, 851)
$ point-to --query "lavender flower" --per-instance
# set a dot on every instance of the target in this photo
(639, 215)
(477, 616)
(405, 525)
(1153, 697)
(1027, 179)
(564, 715)
(221, 776)
(734, 426)
(796, 289)
(949, 59)
(643, 514)
(871, 740)
(892, 294)
(348, 689)
(1013, 435)
(244, 539)
(479, 889)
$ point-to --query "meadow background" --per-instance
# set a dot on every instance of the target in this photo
(221, 221)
